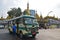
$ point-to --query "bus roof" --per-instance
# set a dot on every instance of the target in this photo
(27, 16)
(22, 16)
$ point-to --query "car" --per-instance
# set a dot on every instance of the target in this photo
(1, 26)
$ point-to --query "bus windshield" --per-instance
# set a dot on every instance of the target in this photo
(30, 21)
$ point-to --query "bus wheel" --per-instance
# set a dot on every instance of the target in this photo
(33, 36)
(10, 32)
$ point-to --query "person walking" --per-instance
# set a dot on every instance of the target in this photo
(14, 31)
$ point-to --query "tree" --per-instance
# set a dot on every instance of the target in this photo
(8, 17)
(14, 12)
(18, 12)
(50, 17)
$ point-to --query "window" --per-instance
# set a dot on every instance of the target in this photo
(28, 26)
(21, 25)
(28, 21)
(35, 21)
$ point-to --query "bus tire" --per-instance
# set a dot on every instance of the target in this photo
(33, 36)
(10, 31)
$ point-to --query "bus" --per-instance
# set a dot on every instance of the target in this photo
(28, 25)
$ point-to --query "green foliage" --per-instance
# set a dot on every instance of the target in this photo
(14, 12)
(50, 17)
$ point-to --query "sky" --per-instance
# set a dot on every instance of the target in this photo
(44, 7)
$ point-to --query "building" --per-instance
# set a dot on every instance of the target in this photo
(53, 23)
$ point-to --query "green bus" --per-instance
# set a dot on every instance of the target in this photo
(28, 25)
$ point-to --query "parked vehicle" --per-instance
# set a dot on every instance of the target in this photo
(1, 26)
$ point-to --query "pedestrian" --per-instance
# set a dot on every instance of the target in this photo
(14, 31)
(20, 35)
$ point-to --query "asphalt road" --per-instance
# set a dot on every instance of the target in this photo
(48, 34)
(4, 35)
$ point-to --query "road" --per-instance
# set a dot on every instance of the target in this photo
(48, 34)
(4, 35)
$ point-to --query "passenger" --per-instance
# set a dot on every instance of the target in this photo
(14, 32)
(14, 29)
(19, 35)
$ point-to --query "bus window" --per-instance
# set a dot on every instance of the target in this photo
(28, 21)
(34, 20)
(28, 26)
(21, 25)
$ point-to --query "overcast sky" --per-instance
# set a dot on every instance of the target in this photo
(42, 6)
